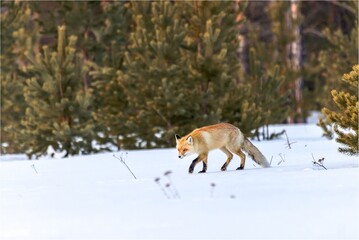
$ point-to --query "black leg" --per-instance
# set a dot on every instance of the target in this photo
(204, 169)
(193, 164)
(224, 167)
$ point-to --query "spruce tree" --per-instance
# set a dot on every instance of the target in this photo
(59, 102)
(345, 117)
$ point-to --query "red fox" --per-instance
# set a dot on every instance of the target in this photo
(223, 136)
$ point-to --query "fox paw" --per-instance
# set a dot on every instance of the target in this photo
(240, 168)
(202, 171)
(223, 168)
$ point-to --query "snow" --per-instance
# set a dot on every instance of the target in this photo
(96, 197)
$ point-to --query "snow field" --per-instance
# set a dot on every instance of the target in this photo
(96, 197)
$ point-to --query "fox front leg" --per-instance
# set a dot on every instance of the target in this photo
(204, 169)
(204, 161)
(201, 157)
(193, 164)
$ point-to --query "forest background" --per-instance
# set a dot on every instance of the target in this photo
(82, 77)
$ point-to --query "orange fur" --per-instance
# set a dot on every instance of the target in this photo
(223, 136)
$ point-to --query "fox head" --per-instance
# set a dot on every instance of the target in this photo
(184, 146)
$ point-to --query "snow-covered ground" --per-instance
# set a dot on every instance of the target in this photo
(96, 197)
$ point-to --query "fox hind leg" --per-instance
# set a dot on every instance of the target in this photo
(229, 158)
(243, 159)
(239, 152)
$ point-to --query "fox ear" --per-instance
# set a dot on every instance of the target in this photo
(189, 140)
(177, 137)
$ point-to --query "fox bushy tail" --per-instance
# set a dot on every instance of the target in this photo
(254, 153)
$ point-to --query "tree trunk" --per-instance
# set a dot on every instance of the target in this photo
(295, 57)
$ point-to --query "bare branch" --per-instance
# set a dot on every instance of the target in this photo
(319, 162)
(344, 6)
(121, 159)
(33, 167)
(289, 144)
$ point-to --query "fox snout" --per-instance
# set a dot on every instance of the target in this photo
(184, 146)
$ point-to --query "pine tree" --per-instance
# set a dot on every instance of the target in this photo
(279, 44)
(345, 117)
(111, 112)
(214, 61)
(340, 51)
(343, 52)
(93, 22)
(180, 63)
(59, 102)
(334, 48)
(156, 74)
(259, 100)
(20, 34)
(97, 26)
(266, 91)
